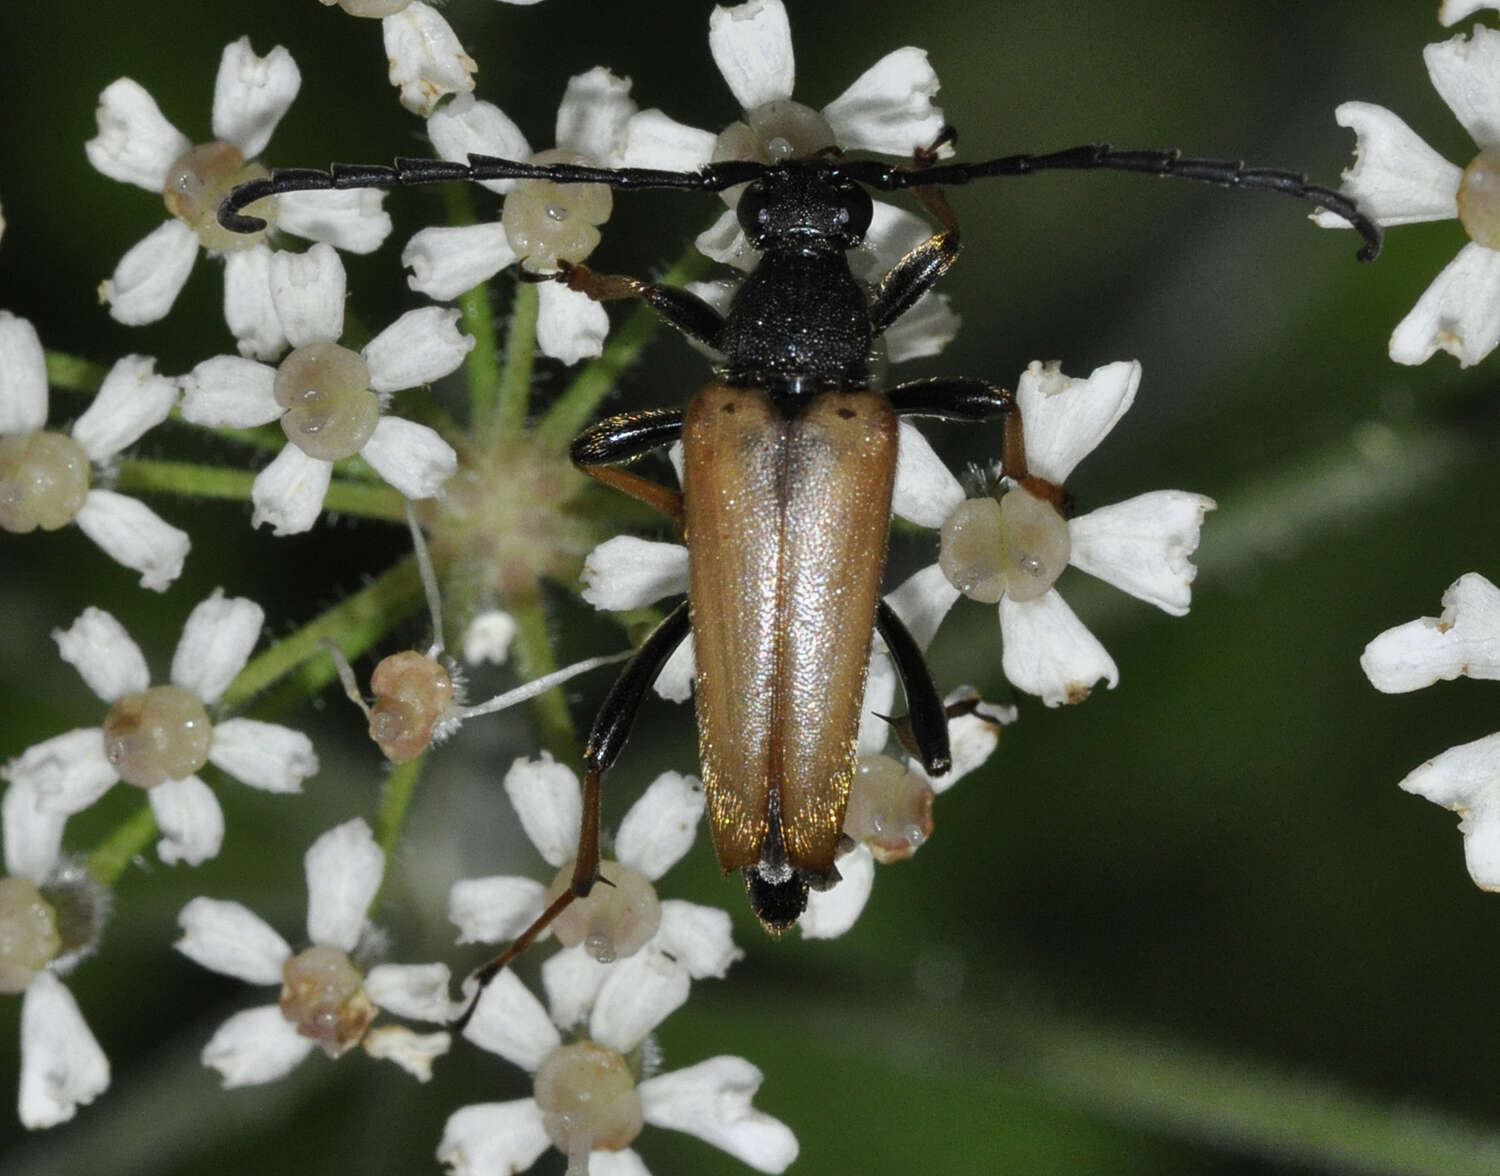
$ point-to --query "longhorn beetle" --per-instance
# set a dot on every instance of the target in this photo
(789, 457)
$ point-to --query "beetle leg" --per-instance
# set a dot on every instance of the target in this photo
(611, 729)
(901, 727)
(680, 308)
(621, 439)
(926, 715)
(916, 273)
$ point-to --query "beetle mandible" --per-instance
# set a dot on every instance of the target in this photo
(789, 459)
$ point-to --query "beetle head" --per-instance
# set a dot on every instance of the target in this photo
(804, 205)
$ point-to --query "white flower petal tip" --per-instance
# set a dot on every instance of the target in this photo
(23, 377)
(427, 62)
(307, 292)
(712, 1101)
(488, 636)
(1066, 418)
(493, 910)
(510, 1021)
(132, 399)
(227, 937)
(638, 994)
(344, 868)
(421, 346)
(1459, 313)
(134, 536)
(1463, 642)
(288, 494)
(415, 991)
(1396, 177)
(190, 820)
(626, 572)
(570, 326)
(1466, 779)
(413, 1052)
(266, 756)
(411, 457)
(493, 1139)
(1049, 652)
(62, 1066)
(1144, 546)
(700, 938)
(251, 93)
(889, 107)
(752, 46)
(135, 144)
(97, 646)
(216, 643)
(549, 802)
(255, 1046)
(660, 827)
(1450, 12)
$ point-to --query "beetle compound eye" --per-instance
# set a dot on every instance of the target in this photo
(330, 410)
(44, 478)
(197, 183)
(29, 940)
(371, 8)
(614, 921)
(158, 735)
(588, 1100)
(1016, 547)
(412, 694)
(322, 994)
(546, 223)
(890, 808)
(1479, 198)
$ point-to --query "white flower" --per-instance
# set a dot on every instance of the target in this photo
(679, 940)
(325, 1000)
(1142, 546)
(44, 477)
(1450, 12)
(427, 61)
(446, 261)
(592, 1100)
(62, 1066)
(1398, 179)
(157, 738)
(888, 109)
(488, 636)
(1463, 642)
(330, 400)
(137, 145)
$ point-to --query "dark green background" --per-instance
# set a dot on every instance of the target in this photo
(1216, 853)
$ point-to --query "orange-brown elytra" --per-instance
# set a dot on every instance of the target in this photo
(789, 461)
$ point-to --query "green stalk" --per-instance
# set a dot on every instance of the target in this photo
(366, 500)
(532, 648)
(390, 814)
(72, 373)
(107, 862)
(520, 360)
(477, 316)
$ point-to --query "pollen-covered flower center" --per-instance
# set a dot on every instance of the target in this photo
(29, 939)
(546, 223)
(330, 410)
(158, 735)
(371, 8)
(588, 1100)
(1479, 198)
(323, 995)
(890, 808)
(1014, 547)
(197, 183)
(772, 133)
(44, 478)
(617, 918)
(412, 693)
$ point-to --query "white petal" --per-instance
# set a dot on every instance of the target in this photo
(465, 127)
(255, 1046)
(190, 819)
(752, 46)
(494, 909)
(1396, 177)
(493, 1139)
(654, 140)
(1464, 641)
(64, 774)
(638, 994)
(879, 700)
(446, 261)
(923, 601)
(511, 1022)
(972, 739)
(62, 1066)
(591, 117)
(135, 144)
(267, 756)
(151, 274)
(1143, 546)
(572, 979)
(248, 307)
(344, 867)
(569, 325)
(97, 646)
(924, 330)
(251, 94)
(487, 637)
(675, 682)
(131, 400)
(421, 346)
(549, 803)
(1065, 418)
(216, 643)
(229, 938)
(625, 1162)
(626, 572)
(289, 492)
(354, 220)
(833, 911)
(712, 1101)
(415, 991)
(307, 290)
(427, 61)
(724, 242)
(413, 1052)
(926, 493)
(411, 457)
(132, 534)
(889, 107)
(1466, 779)
(661, 825)
(1459, 312)
(1049, 652)
(230, 393)
(1450, 12)
(23, 377)
(698, 937)
(1466, 74)
(33, 832)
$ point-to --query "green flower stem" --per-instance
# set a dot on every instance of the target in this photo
(200, 481)
(477, 316)
(109, 858)
(72, 373)
(390, 814)
(520, 360)
(534, 657)
(581, 398)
